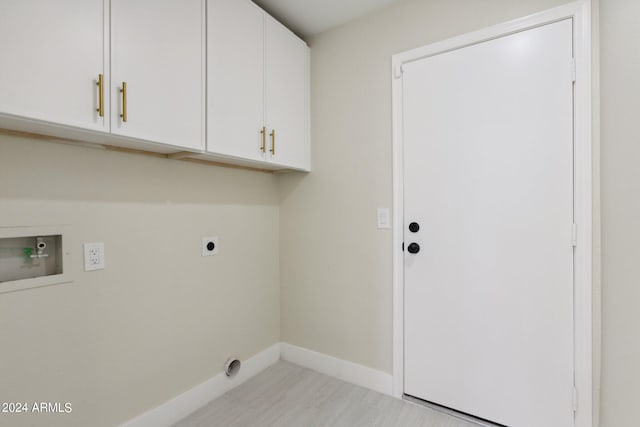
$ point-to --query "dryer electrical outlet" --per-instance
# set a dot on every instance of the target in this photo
(209, 246)
(93, 256)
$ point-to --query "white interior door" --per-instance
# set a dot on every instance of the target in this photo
(488, 161)
(157, 48)
(52, 53)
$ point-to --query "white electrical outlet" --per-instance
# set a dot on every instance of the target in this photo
(209, 246)
(93, 256)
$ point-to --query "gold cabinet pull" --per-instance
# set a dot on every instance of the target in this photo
(100, 85)
(263, 132)
(123, 91)
(273, 142)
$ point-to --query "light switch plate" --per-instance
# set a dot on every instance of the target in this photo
(384, 218)
(93, 256)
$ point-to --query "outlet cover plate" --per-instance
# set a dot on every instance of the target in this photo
(93, 256)
(207, 250)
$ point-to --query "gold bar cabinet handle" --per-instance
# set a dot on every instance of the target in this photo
(123, 91)
(273, 142)
(100, 85)
(263, 132)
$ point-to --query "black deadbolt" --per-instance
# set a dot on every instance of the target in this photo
(413, 248)
(414, 227)
(211, 246)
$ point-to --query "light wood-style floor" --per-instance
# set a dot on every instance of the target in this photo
(289, 395)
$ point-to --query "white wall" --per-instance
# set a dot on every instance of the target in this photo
(620, 106)
(160, 319)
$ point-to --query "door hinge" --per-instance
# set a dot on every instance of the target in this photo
(397, 71)
(573, 69)
(575, 399)
(574, 235)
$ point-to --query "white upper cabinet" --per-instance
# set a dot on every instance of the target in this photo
(286, 95)
(51, 56)
(218, 80)
(235, 89)
(157, 54)
(257, 92)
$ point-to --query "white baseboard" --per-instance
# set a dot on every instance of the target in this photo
(190, 401)
(338, 368)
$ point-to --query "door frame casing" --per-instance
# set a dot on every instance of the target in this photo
(584, 290)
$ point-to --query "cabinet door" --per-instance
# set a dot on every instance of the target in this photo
(52, 53)
(286, 96)
(235, 78)
(157, 49)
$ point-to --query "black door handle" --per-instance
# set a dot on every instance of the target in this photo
(413, 248)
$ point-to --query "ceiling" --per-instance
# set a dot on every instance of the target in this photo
(309, 17)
